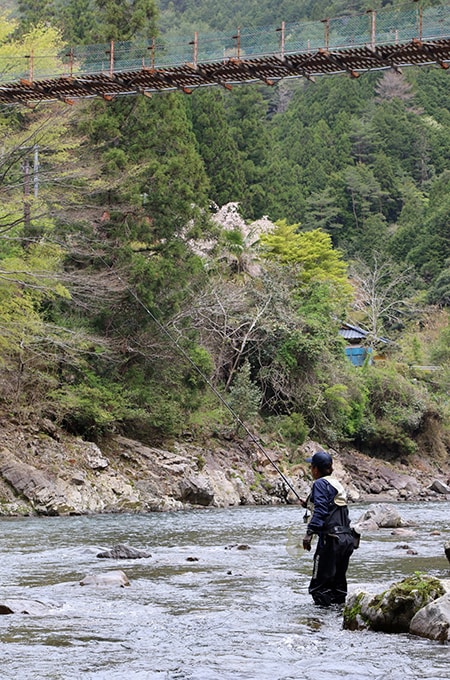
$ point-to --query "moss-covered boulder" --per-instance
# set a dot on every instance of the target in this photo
(392, 610)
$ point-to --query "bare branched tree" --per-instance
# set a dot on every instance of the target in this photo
(382, 294)
(237, 319)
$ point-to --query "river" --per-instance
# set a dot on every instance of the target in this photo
(201, 607)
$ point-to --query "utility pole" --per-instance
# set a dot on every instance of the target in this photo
(26, 169)
(26, 196)
(36, 170)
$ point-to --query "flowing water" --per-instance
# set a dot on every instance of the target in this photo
(201, 607)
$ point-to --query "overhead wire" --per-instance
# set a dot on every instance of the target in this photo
(165, 331)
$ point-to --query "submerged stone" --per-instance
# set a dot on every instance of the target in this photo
(123, 552)
(110, 578)
(22, 606)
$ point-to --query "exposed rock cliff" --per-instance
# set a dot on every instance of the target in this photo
(44, 471)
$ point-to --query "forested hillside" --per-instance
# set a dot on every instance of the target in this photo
(121, 290)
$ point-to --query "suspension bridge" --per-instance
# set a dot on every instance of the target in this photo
(387, 39)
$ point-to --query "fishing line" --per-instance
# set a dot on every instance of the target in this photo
(162, 328)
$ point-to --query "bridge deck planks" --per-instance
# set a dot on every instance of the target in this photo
(232, 70)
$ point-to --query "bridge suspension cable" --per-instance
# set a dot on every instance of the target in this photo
(354, 44)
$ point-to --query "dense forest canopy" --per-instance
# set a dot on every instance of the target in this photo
(151, 245)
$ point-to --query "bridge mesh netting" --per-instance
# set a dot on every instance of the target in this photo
(369, 29)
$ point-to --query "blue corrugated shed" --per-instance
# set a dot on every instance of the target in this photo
(355, 351)
(358, 355)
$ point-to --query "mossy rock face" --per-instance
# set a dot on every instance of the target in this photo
(392, 610)
(354, 618)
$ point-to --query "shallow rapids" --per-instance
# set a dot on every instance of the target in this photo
(202, 607)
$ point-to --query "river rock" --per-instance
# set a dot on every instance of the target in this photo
(393, 610)
(31, 607)
(123, 552)
(110, 578)
(403, 532)
(94, 457)
(384, 515)
(78, 478)
(440, 487)
(196, 490)
(362, 527)
(35, 485)
(56, 493)
(433, 620)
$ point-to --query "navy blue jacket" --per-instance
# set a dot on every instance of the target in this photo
(326, 512)
(322, 496)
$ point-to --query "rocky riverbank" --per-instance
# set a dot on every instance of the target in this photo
(45, 471)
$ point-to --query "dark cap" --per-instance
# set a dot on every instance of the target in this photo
(321, 459)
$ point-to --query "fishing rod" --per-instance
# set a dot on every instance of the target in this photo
(163, 329)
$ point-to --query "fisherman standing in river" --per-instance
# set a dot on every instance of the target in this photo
(330, 521)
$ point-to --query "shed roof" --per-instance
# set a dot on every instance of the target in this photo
(351, 332)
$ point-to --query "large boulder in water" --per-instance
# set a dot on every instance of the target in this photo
(384, 516)
(433, 621)
(392, 610)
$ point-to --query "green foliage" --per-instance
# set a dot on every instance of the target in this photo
(440, 351)
(395, 413)
(27, 282)
(400, 137)
(322, 212)
(201, 365)
(90, 21)
(439, 293)
(150, 148)
(313, 251)
(218, 149)
(291, 428)
(115, 161)
(118, 20)
(38, 36)
(283, 243)
(337, 405)
(361, 164)
(246, 112)
(394, 396)
(359, 400)
(93, 407)
(208, 420)
(78, 20)
(245, 396)
(433, 250)
(33, 11)
(160, 395)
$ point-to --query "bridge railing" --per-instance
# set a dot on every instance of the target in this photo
(372, 29)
